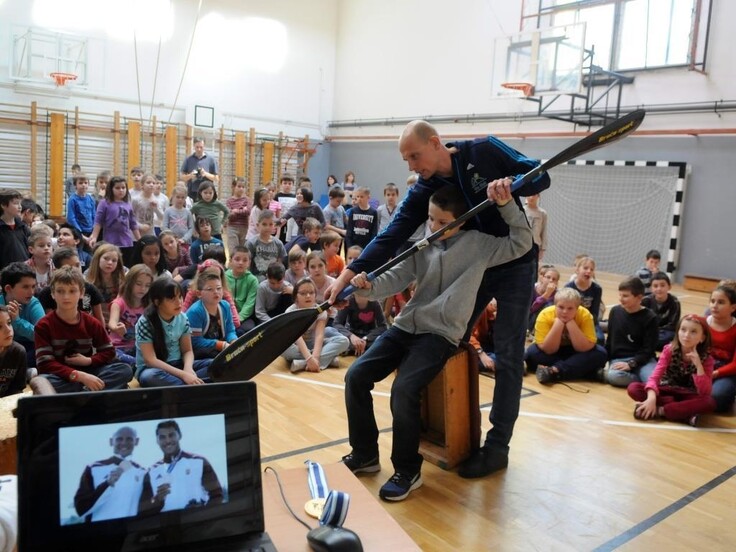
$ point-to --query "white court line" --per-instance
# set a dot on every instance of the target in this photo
(324, 384)
(639, 425)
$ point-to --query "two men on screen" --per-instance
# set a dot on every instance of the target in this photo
(117, 487)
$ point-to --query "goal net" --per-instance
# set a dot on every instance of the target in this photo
(614, 211)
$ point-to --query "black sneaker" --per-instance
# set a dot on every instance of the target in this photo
(483, 462)
(545, 374)
(399, 486)
(356, 465)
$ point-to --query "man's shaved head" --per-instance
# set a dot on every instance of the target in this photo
(421, 130)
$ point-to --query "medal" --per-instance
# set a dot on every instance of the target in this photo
(314, 507)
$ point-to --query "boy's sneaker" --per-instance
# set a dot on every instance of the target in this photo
(546, 375)
(356, 465)
(335, 363)
(298, 365)
(399, 486)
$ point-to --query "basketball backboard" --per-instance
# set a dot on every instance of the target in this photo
(549, 59)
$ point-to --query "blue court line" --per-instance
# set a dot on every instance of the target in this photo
(663, 514)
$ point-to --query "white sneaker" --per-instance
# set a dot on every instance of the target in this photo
(298, 365)
(335, 363)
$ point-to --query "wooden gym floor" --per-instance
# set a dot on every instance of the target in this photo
(583, 474)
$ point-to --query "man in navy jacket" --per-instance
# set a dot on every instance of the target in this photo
(475, 167)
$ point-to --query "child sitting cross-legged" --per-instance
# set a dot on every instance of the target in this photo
(362, 322)
(40, 248)
(12, 358)
(426, 333)
(274, 294)
(209, 317)
(244, 287)
(680, 387)
(127, 308)
(18, 282)
(665, 305)
(73, 350)
(297, 266)
(564, 345)
(319, 347)
(163, 341)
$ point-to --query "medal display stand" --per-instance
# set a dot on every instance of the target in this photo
(450, 414)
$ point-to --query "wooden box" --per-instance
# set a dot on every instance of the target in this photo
(450, 414)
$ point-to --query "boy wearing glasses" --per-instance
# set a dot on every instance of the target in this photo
(209, 317)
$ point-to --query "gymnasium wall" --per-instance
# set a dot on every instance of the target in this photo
(228, 68)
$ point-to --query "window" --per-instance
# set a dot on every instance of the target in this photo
(631, 34)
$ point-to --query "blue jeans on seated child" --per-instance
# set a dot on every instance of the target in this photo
(622, 378)
(724, 390)
(570, 363)
(115, 375)
(155, 377)
(418, 358)
(334, 344)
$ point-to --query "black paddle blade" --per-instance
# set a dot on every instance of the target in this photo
(253, 351)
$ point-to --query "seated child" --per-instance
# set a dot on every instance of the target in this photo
(317, 268)
(192, 296)
(106, 273)
(723, 335)
(40, 248)
(127, 308)
(73, 350)
(264, 248)
(244, 287)
(665, 305)
(319, 347)
(204, 241)
(564, 345)
(163, 341)
(362, 322)
(584, 283)
(309, 241)
(297, 266)
(426, 333)
(330, 246)
(651, 267)
(481, 338)
(544, 297)
(71, 237)
(632, 337)
(209, 317)
(679, 388)
(18, 280)
(174, 253)
(274, 294)
(148, 251)
(90, 301)
(12, 358)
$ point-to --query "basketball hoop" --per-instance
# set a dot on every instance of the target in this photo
(62, 78)
(526, 88)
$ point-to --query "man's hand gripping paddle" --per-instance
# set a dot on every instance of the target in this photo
(256, 349)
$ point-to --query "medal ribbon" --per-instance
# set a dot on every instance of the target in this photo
(336, 506)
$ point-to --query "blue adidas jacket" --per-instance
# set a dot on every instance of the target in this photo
(476, 163)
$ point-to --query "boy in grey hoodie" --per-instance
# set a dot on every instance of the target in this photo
(426, 332)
